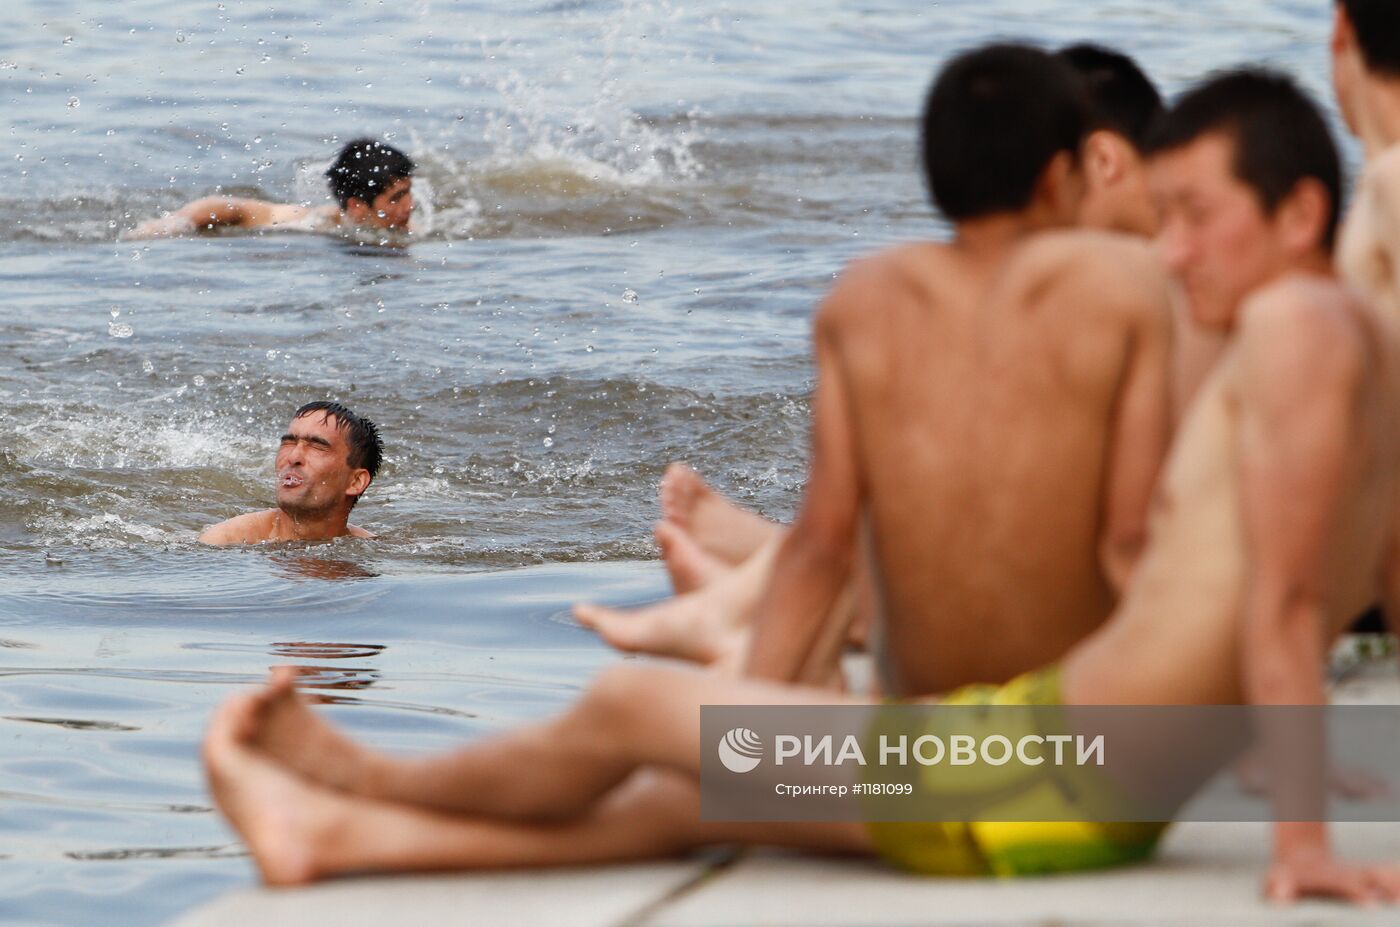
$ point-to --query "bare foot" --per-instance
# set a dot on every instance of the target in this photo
(721, 528)
(283, 821)
(282, 725)
(689, 566)
(700, 626)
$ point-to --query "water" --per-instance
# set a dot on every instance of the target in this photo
(630, 209)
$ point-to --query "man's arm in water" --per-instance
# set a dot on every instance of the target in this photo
(1300, 369)
(1142, 416)
(814, 560)
(211, 212)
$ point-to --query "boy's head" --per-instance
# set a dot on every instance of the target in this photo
(1001, 134)
(1123, 104)
(1248, 185)
(373, 183)
(1365, 49)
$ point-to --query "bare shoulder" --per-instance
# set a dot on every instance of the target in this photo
(1119, 275)
(1384, 169)
(357, 532)
(1094, 258)
(873, 280)
(1301, 332)
(251, 528)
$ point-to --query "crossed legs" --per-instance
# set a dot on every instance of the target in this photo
(613, 778)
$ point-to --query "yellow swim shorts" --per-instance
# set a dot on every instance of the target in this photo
(1012, 848)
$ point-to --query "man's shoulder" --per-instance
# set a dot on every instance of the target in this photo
(1384, 168)
(1112, 276)
(250, 528)
(1076, 252)
(1301, 328)
(876, 278)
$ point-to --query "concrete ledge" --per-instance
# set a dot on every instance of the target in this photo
(594, 897)
(1205, 874)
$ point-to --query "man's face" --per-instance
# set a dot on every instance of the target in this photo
(391, 209)
(1215, 237)
(313, 467)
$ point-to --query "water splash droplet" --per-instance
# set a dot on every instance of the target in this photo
(73, 103)
(119, 330)
(629, 295)
(548, 442)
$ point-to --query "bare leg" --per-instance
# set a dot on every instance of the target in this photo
(723, 529)
(703, 626)
(298, 831)
(632, 716)
(687, 563)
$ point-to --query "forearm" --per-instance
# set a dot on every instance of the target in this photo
(1283, 659)
(805, 582)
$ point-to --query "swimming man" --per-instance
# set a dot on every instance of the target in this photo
(326, 461)
(371, 180)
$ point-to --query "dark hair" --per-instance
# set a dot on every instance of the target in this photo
(1121, 97)
(366, 450)
(365, 168)
(1377, 25)
(1279, 135)
(994, 119)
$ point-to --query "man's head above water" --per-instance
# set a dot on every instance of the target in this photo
(327, 458)
(373, 183)
(325, 461)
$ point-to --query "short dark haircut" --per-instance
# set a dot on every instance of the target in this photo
(1280, 137)
(1121, 97)
(366, 450)
(1377, 25)
(994, 119)
(365, 168)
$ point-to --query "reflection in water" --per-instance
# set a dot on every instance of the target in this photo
(228, 851)
(334, 677)
(318, 568)
(309, 650)
(74, 724)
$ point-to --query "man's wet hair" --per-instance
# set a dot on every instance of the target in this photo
(1122, 98)
(994, 119)
(365, 168)
(1278, 133)
(366, 450)
(1377, 25)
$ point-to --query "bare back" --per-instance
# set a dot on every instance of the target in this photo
(985, 400)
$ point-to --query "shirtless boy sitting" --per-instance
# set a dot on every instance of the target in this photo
(326, 461)
(372, 181)
(1278, 517)
(993, 407)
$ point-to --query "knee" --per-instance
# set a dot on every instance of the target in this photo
(623, 692)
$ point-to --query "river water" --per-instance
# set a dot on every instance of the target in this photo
(629, 210)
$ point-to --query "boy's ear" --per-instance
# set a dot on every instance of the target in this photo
(356, 208)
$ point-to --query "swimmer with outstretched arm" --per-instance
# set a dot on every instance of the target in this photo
(372, 182)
